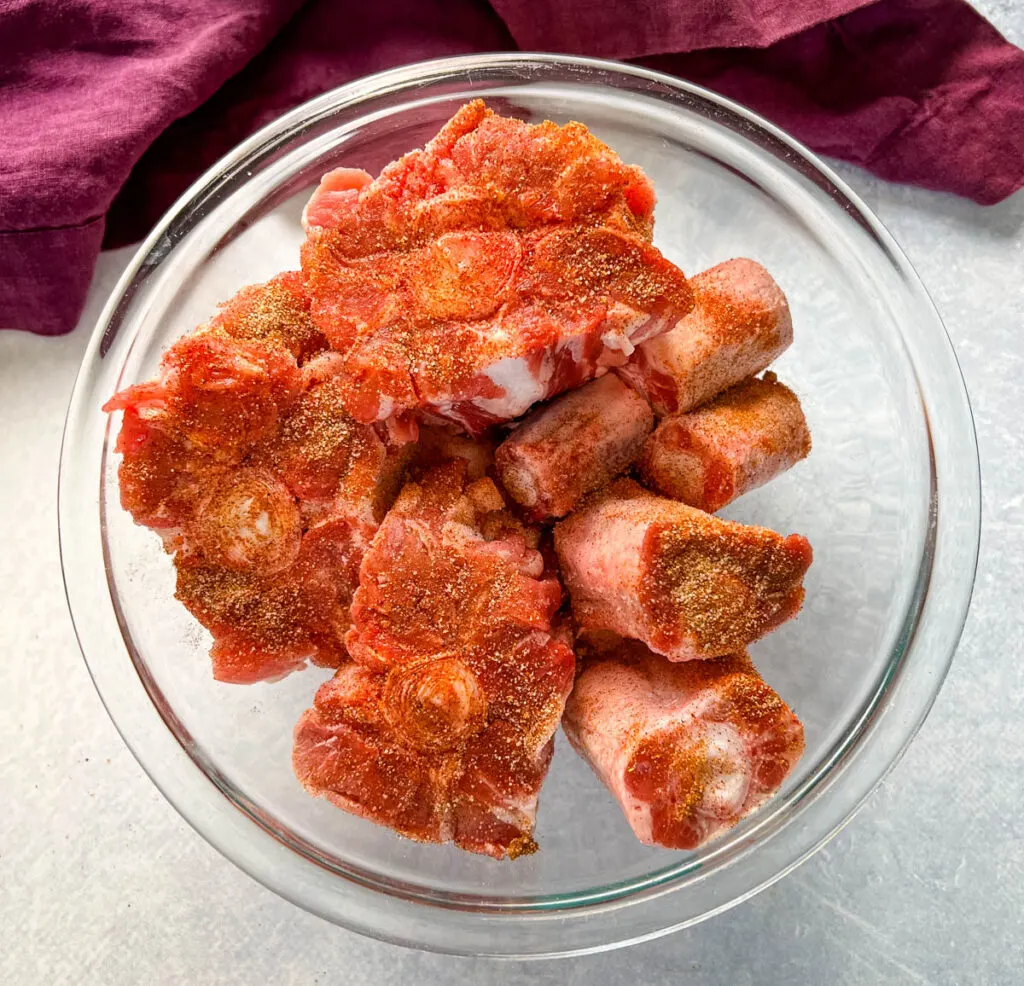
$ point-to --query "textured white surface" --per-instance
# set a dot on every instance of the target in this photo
(102, 882)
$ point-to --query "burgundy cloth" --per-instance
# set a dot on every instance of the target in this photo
(110, 108)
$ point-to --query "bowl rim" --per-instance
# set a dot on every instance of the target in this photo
(350, 905)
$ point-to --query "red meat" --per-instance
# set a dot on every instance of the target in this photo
(687, 749)
(270, 556)
(217, 394)
(221, 392)
(247, 521)
(266, 624)
(251, 469)
(573, 446)
(160, 476)
(323, 455)
(443, 728)
(739, 324)
(276, 313)
(499, 266)
(737, 442)
(685, 582)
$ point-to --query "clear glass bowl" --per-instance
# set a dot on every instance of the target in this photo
(889, 499)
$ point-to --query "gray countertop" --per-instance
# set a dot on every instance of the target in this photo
(102, 882)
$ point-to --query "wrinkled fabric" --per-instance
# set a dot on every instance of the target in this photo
(109, 109)
(917, 91)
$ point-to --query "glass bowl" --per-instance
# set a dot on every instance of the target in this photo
(889, 499)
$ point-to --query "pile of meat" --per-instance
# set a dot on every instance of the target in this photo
(340, 465)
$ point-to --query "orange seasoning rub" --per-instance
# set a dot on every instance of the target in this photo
(266, 624)
(258, 478)
(686, 749)
(276, 313)
(500, 265)
(735, 443)
(222, 391)
(217, 394)
(443, 728)
(686, 583)
(739, 324)
(159, 475)
(572, 446)
(247, 521)
(437, 445)
(271, 574)
(225, 386)
(321, 451)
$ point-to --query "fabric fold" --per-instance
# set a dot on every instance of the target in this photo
(627, 29)
(109, 109)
